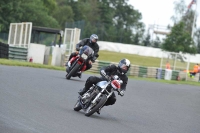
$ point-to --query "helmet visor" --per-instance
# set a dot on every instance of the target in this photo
(94, 40)
(124, 67)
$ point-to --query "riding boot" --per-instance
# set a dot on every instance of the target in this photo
(81, 92)
(72, 55)
(79, 74)
(99, 110)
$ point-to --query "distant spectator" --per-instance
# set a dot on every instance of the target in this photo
(195, 70)
(167, 65)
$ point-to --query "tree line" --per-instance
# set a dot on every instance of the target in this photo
(111, 20)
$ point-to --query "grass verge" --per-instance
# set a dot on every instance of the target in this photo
(35, 65)
(28, 64)
(137, 59)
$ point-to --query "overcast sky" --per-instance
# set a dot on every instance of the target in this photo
(159, 11)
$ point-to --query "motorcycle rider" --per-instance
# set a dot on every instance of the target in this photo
(106, 73)
(92, 43)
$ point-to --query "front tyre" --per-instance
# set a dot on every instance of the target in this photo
(92, 109)
(73, 71)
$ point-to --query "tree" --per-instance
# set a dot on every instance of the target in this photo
(146, 41)
(112, 20)
(35, 12)
(179, 40)
(10, 12)
(157, 42)
(197, 39)
(180, 10)
(188, 19)
(62, 17)
(136, 39)
(13, 11)
(182, 13)
(127, 20)
(50, 5)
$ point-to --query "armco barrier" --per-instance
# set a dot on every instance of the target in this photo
(168, 74)
(175, 75)
(95, 66)
(142, 71)
(149, 72)
(102, 63)
(18, 53)
(163, 74)
(134, 71)
(159, 73)
(182, 75)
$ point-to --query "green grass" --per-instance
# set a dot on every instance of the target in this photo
(28, 64)
(167, 81)
(160, 80)
(135, 59)
(108, 56)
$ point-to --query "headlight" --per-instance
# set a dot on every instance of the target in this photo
(116, 84)
(84, 56)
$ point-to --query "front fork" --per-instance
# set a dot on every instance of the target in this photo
(100, 93)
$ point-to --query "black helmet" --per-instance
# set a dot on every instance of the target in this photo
(93, 38)
(124, 66)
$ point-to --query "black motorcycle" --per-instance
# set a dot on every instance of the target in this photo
(94, 99)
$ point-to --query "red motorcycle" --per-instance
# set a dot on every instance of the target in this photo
(77, 64)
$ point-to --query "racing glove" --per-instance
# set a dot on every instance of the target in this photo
(121, 93)
(93, 60)
(77, 48)
(105, 75)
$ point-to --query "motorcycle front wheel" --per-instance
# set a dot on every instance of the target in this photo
(73, 71)
(93, 108)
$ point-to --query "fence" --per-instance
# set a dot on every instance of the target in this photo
(149, 72)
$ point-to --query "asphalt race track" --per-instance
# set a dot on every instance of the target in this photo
(36, 100)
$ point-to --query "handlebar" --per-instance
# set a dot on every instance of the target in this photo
(110, 78)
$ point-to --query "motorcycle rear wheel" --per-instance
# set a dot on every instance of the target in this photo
(91, 110)
(73, 71)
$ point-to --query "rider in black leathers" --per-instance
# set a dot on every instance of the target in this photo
(109, 71)
(92, 43)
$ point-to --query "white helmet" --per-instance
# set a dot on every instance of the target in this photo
(124, 66)
(94, 38)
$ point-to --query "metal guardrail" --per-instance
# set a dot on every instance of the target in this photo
(140, 71)
(135, 70)
(18, 53)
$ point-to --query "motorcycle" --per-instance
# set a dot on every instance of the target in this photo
(78, 63)
(94, 99)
